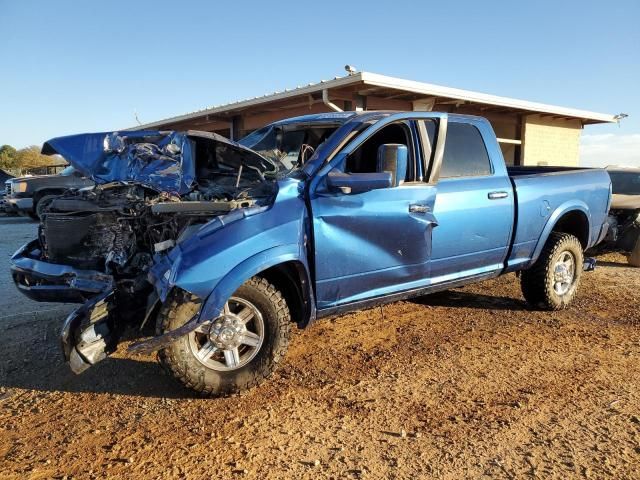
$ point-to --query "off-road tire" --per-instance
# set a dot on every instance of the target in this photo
(179, 360)
(538, 281)
(42, 204)
(634, 256)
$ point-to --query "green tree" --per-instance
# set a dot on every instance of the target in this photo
(7, 157)
(31, 157)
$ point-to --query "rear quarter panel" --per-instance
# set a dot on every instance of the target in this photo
(542, 199)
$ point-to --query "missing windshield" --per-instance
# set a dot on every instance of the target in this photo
(290, 145)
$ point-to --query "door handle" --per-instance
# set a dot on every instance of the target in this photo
(417, 208)
(497, 195)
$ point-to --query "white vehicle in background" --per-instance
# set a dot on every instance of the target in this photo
(624, 214)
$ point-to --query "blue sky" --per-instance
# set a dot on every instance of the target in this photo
(71, 66)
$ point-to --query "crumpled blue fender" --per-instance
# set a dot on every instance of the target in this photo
(251, 266)
(223, 254)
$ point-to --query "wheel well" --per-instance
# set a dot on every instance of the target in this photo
(575, 223)
(291, 280)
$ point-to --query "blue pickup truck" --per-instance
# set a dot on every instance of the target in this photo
(209, 250)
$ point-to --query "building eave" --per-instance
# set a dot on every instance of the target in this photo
(428, 89)
(373, 80)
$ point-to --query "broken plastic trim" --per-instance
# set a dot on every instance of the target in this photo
(88, 335)
(156, 343)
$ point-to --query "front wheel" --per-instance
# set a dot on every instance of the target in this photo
(552, 282)
(233, 352)
(42, 205)
(634, 256)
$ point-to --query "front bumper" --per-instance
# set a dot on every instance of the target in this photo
(19, 204)
(49, 282)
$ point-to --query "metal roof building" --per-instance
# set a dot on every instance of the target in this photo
(530, 133)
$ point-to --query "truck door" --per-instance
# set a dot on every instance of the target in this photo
(474, 207)
(377, 242)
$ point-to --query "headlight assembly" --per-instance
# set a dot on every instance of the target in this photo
(19, 187)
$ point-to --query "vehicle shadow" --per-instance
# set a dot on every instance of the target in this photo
(613, 264)
(461, 299)
(31, 359)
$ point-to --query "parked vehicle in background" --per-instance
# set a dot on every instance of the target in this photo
(219, 246)
(28, 195)
(4, 176)
(624, 215)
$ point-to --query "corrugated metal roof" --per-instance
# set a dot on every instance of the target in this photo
(383, 81)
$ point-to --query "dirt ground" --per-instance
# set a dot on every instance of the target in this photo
(464, 384)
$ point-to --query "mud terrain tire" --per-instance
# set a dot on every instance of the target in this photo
(539, 284)
(180, 360)
(42, 204)
(634, 256)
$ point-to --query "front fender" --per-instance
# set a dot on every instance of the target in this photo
(558, 213)
(215, 261)
(224, 288)
(242, 272)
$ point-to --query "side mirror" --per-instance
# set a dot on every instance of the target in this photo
(393, 158)
(358, 182)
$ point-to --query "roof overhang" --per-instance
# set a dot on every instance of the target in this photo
(366, 83)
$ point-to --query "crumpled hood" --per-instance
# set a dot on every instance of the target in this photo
(163, 160)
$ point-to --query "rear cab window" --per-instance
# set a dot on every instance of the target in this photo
(465, 154)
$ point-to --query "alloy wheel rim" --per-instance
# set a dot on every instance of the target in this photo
(564, 273)
(232, 340)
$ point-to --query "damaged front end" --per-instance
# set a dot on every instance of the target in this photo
(90, 333)
(111, 246)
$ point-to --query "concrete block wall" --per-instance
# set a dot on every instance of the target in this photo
(550, 141)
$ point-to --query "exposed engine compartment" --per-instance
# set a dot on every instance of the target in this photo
(117, 227)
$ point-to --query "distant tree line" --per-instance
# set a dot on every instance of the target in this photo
(19, 161)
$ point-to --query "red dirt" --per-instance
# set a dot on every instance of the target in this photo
(464, 384)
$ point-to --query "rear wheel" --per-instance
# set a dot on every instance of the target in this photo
(552, 282)
(634, 257)
(233, 352)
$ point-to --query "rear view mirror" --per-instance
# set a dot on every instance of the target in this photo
(358, 182)
(393, 158)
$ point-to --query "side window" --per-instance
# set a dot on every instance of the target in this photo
(465, 154)
(365, 158)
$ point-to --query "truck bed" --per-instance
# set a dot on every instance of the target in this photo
(520, 171)
(541, 193)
